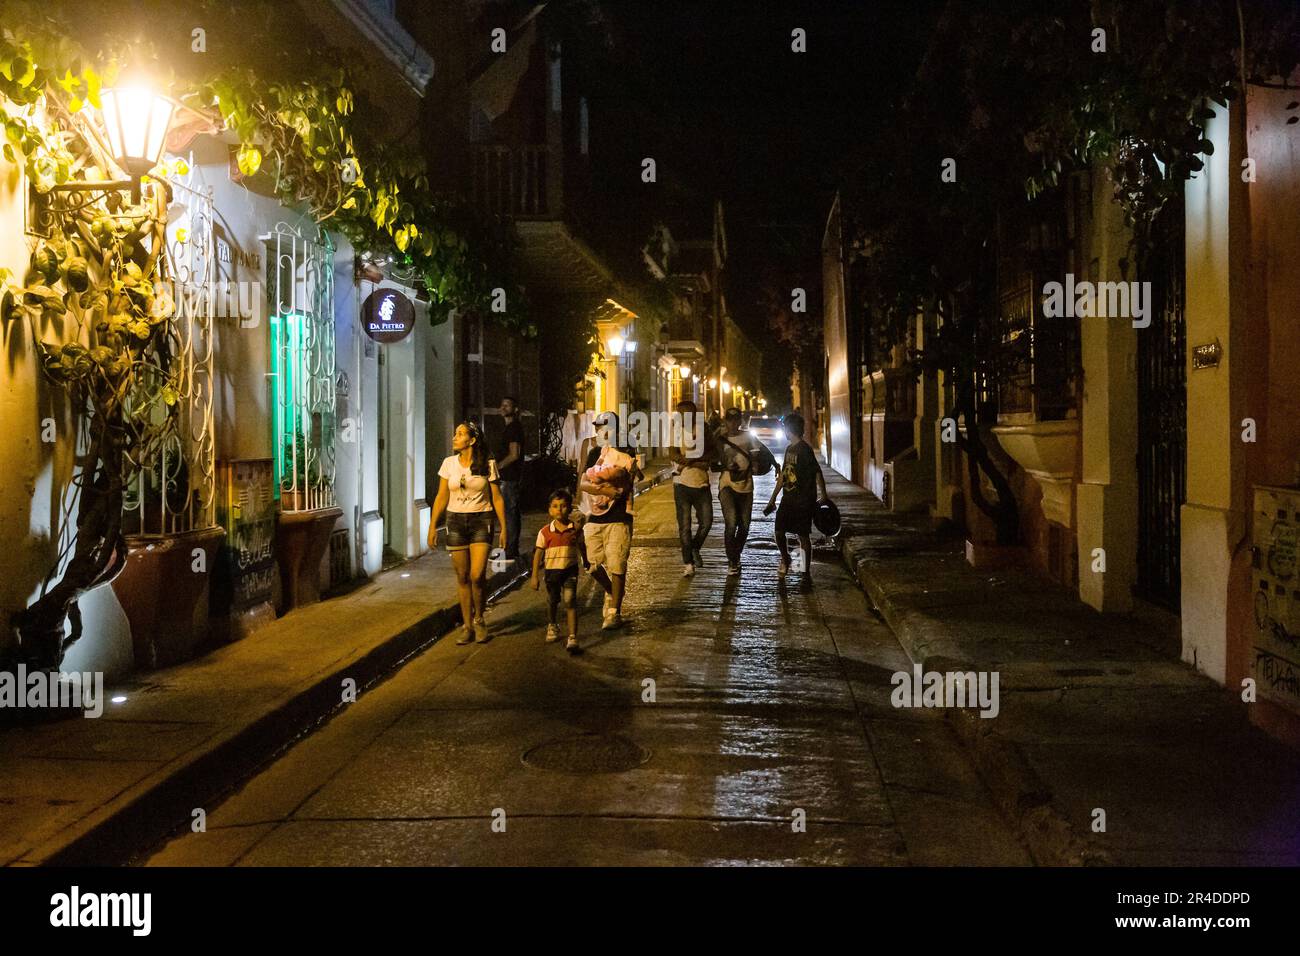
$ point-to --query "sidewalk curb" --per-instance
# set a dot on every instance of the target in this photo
(151, 810)
(1016, 787)
(154, 808)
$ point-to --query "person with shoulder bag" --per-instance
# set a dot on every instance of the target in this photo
(741, 456)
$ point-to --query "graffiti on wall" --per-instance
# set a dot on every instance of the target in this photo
(1277, 595)
(246, 509)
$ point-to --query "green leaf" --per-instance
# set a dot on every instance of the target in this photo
(249, 160)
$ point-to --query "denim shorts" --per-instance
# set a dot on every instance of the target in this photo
(468, 527)
(562, 584)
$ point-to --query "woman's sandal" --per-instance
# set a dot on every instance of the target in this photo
(466, 636)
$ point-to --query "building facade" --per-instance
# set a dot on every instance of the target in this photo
(307, 445)
(1155, 454)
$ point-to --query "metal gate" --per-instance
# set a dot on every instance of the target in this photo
(173, 488)
(300, 274)
(1162, 415)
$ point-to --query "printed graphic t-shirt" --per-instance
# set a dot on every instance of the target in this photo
(469, 492)
(746, 442)
(799, 476)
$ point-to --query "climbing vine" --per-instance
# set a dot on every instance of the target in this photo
(100, 265)
(301, 134)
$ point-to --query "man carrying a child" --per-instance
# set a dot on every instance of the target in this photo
(607, 484)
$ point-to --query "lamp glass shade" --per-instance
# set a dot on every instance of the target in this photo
(686, 371)
(136, 121)
(629, 345)
(616, 345)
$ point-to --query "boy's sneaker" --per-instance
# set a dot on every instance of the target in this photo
(571, 645)
(612, 620)
(688, 570)
(733, 570)
(552, 633)
(699, 559)
(783, 568)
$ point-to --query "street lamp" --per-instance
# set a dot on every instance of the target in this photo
(713, 383)
(136, 120)
(616, 345)
(686, 372)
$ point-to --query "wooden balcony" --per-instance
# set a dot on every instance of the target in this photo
(512, 181)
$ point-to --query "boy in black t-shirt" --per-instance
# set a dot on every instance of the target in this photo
(801, 486)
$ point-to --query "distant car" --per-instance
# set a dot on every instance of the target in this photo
(770, 433)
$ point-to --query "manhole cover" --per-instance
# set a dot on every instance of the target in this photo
(587, 753)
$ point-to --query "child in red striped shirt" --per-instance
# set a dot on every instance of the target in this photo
(558, 550)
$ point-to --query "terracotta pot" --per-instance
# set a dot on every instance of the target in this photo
(301, 539)
(165, 599)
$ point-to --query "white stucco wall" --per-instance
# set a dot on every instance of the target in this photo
(1212, 522)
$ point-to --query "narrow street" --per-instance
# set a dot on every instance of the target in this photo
(767, 736)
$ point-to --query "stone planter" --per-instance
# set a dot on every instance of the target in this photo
(995, 557)
(1047, 451)
(301, 540)
(165, 599)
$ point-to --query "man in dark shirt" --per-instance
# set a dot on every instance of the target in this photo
(608, 536)
(510, 466)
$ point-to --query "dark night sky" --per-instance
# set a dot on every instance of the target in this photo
(714, 92)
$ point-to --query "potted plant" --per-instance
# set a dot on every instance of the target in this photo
(306, 519)
(302, 477)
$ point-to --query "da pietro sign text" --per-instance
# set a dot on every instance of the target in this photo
(387, 315)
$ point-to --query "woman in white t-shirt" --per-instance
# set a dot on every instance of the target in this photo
(469, 496)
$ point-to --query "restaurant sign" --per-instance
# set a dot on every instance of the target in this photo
(387, 315)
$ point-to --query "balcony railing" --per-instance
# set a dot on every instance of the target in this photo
(511, 180)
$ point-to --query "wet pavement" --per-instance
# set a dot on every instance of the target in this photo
(729, 721)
